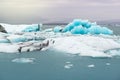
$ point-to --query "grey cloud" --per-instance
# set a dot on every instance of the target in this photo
(28, 11)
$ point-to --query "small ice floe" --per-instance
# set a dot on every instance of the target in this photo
(23, 60)
(91, 65)
(107, 64)
(68, 65)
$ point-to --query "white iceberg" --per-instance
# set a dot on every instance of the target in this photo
(21, 28)
(26, 46)
(85, 45)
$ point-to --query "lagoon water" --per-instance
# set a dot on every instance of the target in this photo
(54, 65)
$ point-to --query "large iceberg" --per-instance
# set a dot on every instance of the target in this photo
(86, 45)
(25, 38)
(79, 26)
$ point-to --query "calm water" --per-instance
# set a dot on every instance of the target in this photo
(52, 65)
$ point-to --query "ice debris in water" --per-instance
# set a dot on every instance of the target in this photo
(91, 65)
(107, 64)
(78, 26)
(68, 65)
(23, 60)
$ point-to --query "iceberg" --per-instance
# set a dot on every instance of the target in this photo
(33, 28)
(78, 26)
(85, 45)
(26, 46)
(25, 38)
(21, 28)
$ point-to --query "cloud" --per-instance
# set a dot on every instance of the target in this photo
(41, 10)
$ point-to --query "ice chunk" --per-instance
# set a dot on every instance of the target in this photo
(68, 66)
(21, 28)
(78, 26)
(91, 65)
(32, 28)
(107, 64)
(85, 45)
(23, 60)
(58, 29)
(25, 46)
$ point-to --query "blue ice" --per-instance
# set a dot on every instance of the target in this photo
(21, 39)
(32, 28)
(78, 26)
(58, 29)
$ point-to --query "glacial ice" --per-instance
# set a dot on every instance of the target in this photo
(85, 45)
(64, 39)
(23, 60)
(17, 38)
(78, 26)
(32, 28)
(21, 28)
(58, 29)
(26, 46)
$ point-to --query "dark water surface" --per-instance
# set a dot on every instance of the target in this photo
(52, 65)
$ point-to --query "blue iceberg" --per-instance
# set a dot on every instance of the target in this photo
(32, 28)
(57, 29)
(78, 26)
(16, 40)
(79, 30)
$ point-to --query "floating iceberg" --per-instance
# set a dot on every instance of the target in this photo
(79, 26)
(26, 46)
(32, 28)
(25, 38)
(21, 28)
(17, 38)
(86, 45)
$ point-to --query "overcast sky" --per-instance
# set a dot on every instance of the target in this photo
(36, 11)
